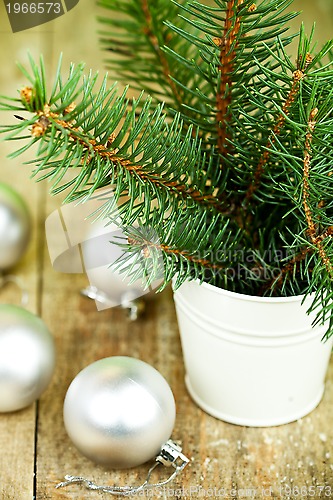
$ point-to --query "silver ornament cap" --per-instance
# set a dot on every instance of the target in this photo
(15, 227)
(27, 357)
(119, 411)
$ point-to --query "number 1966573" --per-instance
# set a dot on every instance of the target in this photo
(34, 8)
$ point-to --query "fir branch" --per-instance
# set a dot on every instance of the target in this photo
(325, 234)
(215, 91)
(111, 142)
(93, 148)
(146, 246)
(184, 244)
(312, 230)
(157, 49)
(227, 44)
(298, 75)
(137, 33)
(288, 269)
(186, 191)
(306, 174)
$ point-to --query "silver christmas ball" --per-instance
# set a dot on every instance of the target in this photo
(119, 411)
(27, 357)
(15, 227)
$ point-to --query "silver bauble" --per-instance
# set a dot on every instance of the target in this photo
(119, 411)
(27, 357)
(15, 227)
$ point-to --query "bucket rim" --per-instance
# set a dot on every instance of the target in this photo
(243, 296)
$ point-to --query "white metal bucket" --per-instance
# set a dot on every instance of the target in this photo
(252, 361)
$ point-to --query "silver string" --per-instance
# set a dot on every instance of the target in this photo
(162, 459)
(11, 278)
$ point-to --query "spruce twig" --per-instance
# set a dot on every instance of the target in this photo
(157, 49)
(298, 75)
(91, 146)
(227, 44)
(312, 229)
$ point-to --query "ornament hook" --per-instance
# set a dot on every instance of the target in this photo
(170, 455)
(134, 306)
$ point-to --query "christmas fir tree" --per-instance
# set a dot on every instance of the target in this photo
(223, 164)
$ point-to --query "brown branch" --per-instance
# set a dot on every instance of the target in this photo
(196, 260)
(145, 246)
(184, 190)
(287, 268)
(306, 174)
(312, 230)
(227, 45)
(328, 232)
(297, 77)
(156, 46)
(315, 239)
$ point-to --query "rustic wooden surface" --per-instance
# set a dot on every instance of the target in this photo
(35, 451)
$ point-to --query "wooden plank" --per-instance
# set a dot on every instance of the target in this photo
(17, 430)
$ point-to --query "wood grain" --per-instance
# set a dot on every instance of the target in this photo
(239, 462)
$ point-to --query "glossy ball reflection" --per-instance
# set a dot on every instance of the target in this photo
(15, 227)
(119, 411)
(27, 358)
